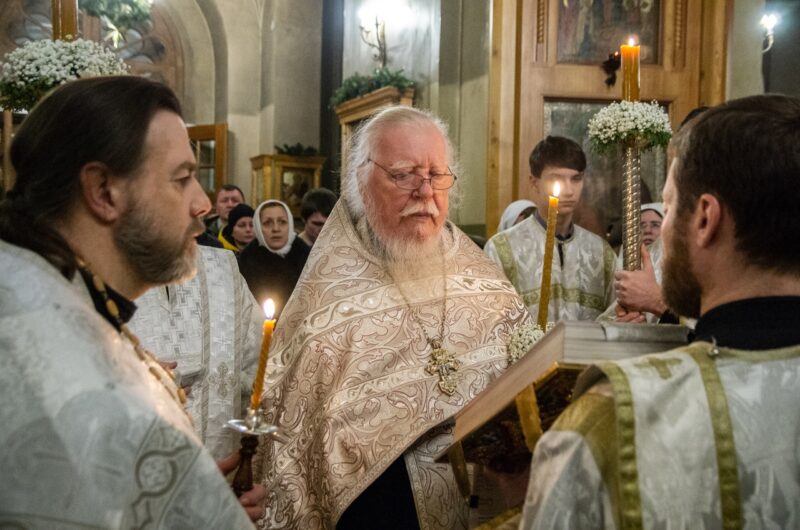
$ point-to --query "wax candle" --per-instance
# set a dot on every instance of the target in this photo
(269, 325)
(630, 71)
(549, 244)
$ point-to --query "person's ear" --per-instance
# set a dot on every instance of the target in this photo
(707, 219)
(102, 193)
(535, 182)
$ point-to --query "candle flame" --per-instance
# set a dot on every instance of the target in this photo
(269, 308)
(556, 189)
(631, 41)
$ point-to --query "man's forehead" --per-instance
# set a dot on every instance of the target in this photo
(652, 214)
(409, 143)
(167, 140)
(559, 172)
(669, 184)
(224, 194)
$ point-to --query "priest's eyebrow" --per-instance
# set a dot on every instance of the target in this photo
(408, 165)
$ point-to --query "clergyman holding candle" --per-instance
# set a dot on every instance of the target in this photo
(583, 264)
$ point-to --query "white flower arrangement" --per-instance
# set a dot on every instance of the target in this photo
(522, 339)
(38, 66)
(630, 123)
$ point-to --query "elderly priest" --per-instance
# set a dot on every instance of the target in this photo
(398, 321)
(106, 205)
(703, 436)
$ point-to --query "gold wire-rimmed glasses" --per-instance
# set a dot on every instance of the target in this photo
(413, 181)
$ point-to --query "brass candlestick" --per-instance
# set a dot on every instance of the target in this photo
(631, 204)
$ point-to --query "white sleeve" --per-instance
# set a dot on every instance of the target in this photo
(565, 489)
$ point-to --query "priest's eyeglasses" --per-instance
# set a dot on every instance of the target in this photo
(413, 181)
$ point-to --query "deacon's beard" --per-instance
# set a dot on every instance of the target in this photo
(155, 259)
(680, 286)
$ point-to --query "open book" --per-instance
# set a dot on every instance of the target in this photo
(488, 432)
(488, 427)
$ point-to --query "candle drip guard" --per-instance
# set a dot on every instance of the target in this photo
(254, 424)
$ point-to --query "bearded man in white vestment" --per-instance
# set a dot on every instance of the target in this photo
(211, 326)
(703, 436)
(397, 322)
(105, 206)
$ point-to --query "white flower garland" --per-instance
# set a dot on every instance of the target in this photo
(31, 70)
(645, 124)
(523, 338)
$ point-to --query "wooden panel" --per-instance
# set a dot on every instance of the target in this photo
(685, 49)
(8, 169)
(268, 178)
(501, 171)
(218, 134)
(717, 18)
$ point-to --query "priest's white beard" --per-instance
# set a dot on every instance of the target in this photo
(406, 257)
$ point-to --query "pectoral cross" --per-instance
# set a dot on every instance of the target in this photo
(443, 364)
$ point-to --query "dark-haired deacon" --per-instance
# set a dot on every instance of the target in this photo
(105, 206)
(583, 263)
(704, 436)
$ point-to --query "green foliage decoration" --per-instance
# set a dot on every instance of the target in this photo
(297, 149)
(358, 85)
(122, 14)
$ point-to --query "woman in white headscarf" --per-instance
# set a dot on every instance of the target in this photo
(272, 263)
(512, 213)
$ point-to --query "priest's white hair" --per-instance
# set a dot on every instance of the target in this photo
(363, 140)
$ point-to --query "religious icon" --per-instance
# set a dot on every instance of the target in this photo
(588, 29)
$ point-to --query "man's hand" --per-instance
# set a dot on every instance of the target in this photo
(637, 290)
(252, 501)
(169, 366)
(631, 317)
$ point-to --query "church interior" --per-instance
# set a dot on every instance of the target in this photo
(259, 74)
(550, 365)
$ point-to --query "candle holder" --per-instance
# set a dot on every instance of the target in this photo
(631, 206)
(251, 427)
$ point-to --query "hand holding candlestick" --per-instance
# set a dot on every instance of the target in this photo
(254, 424)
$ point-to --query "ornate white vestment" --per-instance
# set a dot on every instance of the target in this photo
(90, 438)
(581, 289)
(685, 439)
(212, 326)
(347, 378)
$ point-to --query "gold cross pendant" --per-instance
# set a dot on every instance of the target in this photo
(443, 364)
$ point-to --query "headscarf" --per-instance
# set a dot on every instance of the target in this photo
(226, 235)
(511, 213)
(655, 206)
(259, 230)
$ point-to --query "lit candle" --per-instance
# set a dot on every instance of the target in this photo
(630, 71)
(269, 325)
(549, 244)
